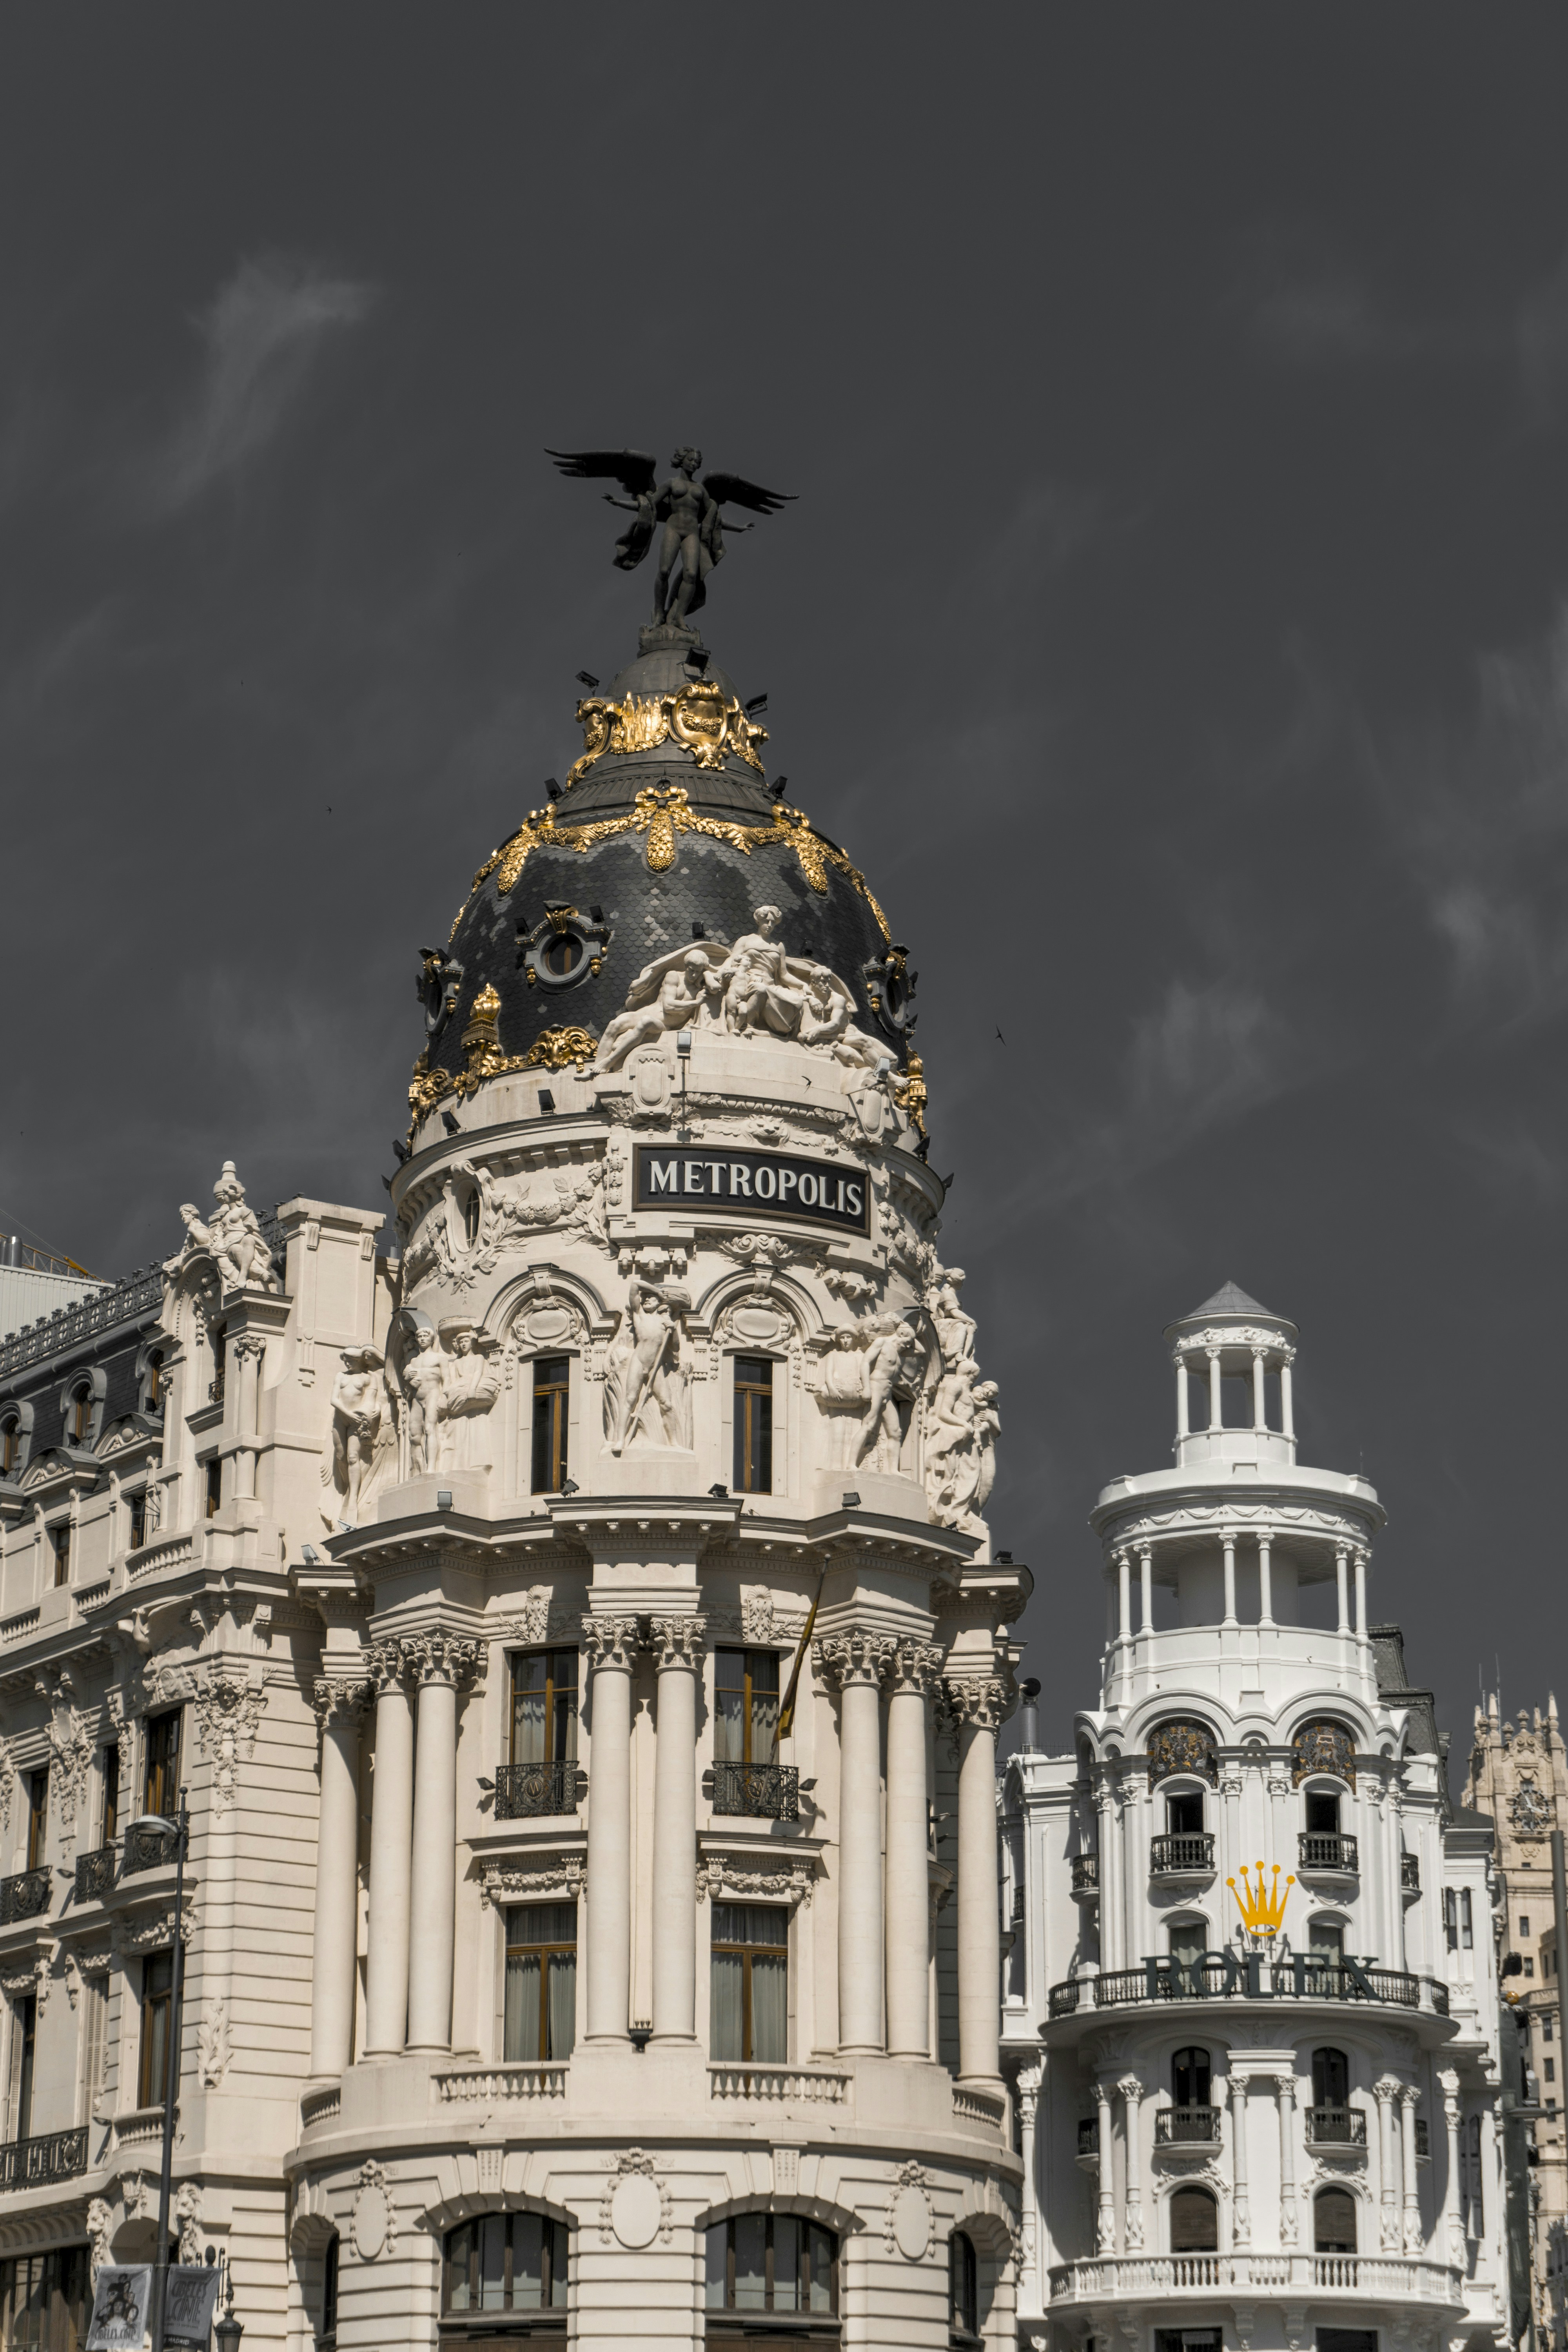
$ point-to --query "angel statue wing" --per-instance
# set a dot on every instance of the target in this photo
(635, 471)
(735, 490)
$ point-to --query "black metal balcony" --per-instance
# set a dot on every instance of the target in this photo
(1410, 1873)
(1085, 1875)
(35, 2163)
(1243, 1976)
(94, 1874)
(25, 1897)
(1327, 1850)
(1336, 2128)
(1186, 2128)
(765, 1792)
(523, 1791)
(149, 1849)
(1182, 1853)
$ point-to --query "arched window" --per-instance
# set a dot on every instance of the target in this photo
(153, 1384)
(81, 1418)
(1333, 2222)
(328, 2333)
(1194, 2222)
(1191, 2076)
(962, 2290)
(505, 2261)
(1331, 2078)
(10, 1446)
(771, 2262)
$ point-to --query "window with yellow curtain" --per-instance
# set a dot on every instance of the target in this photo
(541, 2016)
(749, 2016)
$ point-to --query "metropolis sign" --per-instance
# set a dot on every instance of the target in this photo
(742, 1184)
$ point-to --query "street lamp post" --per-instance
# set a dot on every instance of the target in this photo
(180, 1828)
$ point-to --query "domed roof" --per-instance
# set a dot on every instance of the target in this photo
(665, 831)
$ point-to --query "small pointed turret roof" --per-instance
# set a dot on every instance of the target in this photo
(1230, 1299)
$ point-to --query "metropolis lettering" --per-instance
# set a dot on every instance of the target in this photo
(739, 1184)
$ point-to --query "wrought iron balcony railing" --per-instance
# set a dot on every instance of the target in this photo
(1186, 2128)
(1410, 1873)
(526, 1789)
(25, 1897)
(767, 1792)
(1244, 1976)
(147, 1849)
(35, 2163)
(1085, 1875)
(94, 1874)
(1336, 2128)
(1327, 1850)
(1182, 1854)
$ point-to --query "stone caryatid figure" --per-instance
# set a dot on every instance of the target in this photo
(232, 1235)
(685, 511)
(894, 1367)
(360, 1424)
(471, 1385)
(645, 1380)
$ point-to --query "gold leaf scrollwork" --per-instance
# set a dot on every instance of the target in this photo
(561, 1049)
(553, 1049)
(700, 718)
(910, 1095)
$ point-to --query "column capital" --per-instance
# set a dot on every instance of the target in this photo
(611, 1642)
(854, 1657)
(444, 1658)
(986, 1701)
(1387, 2089)
(914, 1666)
(340, 1698)
(1131, 2087)
(246, 1344)
(677, 1641)
(386, 1666)
(1449, 2084)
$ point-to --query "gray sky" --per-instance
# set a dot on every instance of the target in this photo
(1173, 623)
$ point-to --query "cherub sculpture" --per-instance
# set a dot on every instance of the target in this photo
(690, 510)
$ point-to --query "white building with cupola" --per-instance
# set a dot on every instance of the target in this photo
(1255, 2060)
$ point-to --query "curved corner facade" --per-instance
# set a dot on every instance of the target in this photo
(1254, 2018)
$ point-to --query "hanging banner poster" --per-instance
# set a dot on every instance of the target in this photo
(118, 2319)
(193, 2304)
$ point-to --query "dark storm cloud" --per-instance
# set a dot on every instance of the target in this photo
(1169, 624)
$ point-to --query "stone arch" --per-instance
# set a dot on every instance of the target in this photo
(824, 2210)
(768, 1287)
(90, 1381)
(18, 1416)
(534, 1291)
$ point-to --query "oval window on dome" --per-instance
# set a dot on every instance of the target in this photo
(565, 946)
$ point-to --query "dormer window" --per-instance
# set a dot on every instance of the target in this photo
(81, 1415)
(152, 1399)
(10, 1447)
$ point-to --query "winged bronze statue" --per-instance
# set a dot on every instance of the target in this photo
(690, 510)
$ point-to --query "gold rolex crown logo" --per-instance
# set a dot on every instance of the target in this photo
(1262, 1908)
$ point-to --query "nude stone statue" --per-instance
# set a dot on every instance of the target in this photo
(893, 1369)
(760, 990)
(687, 986)
(424, 1379)
(359, 1407)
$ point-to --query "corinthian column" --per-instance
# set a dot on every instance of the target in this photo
(1454, 2227)
(979, 1706)
(1285, 2091)
(1385, 2091)
(340, 1708)
(439, 1665)
(1241, 2218)
(391, 1834)
(249, 1348)
(912, 1674)
(677, 1641)
(611, 1644)
(1131, 2090)
(1407, 2099)
(857, 1662)
(1105, 2173)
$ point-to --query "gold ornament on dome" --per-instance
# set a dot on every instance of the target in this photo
(912, 1095)
(553, 1049)
(662, 811)
(700, 718)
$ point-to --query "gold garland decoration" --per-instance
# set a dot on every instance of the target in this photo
(662, 811)
(553, 1049)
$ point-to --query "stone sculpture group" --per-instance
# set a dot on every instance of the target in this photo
(393, 1420)
(754, 989)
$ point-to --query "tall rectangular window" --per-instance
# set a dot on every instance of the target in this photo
(137, 1532)
(540, 2017)
(24, 2046)
(38, 1816)
(746, 1707)
(1451, 1918)
(552, 1397)
(543, 1707)
(94, 2040)
(215, 1489)
(750, 2015)
(61, 1547)
(1467, 1923)
(44, 2299)
(753, 1425)
(163, 1764)
(110, 1794)
(157, 1994)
